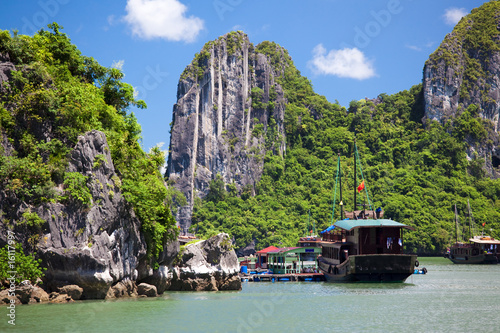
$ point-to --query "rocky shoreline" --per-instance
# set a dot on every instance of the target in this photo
(207, 265)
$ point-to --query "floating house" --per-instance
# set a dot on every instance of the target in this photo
(293, 260)
(262, 256)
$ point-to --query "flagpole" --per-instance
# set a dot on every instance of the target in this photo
(355, 181)
(341, 203)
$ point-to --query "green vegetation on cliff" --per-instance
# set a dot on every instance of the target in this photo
(416, 172)
(468, 50)
(54, 95)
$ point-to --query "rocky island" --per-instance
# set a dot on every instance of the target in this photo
(85, 212)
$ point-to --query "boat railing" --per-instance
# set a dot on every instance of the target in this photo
(333, 237)
(464, 245)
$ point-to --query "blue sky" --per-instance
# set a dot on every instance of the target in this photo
(348, 49)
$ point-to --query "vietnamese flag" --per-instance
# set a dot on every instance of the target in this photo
(484, 223)
(361, 186)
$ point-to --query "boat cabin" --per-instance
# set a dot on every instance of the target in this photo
(477, 245)
(358, 237)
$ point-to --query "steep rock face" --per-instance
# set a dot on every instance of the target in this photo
(209, 265)
(6, 67)
(98, 246)
(229, 112)
(465, 70)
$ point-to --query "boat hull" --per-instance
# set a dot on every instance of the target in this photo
(370, 268)
(474, 260)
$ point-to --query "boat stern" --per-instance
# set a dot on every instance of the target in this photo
(383, 267)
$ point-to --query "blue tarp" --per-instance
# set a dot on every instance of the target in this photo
(330, 228)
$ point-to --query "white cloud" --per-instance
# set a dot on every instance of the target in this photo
(111, 19)
(165, 19)
(414, 47)
(420, 47)
(453, 15)
(118, 64)
(348, 63)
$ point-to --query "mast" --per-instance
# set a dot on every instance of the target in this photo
(470, 219)
(456, 223)
(307, 225)
(341, 202)
(314, 225)
(355, 181)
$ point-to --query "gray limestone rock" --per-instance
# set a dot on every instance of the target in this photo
(6, 67)
(208, 265)
(124, 288)
(228, 99)
(459, 74)
(146, 290)
(72, 290)
(28, 294)
(92, 247)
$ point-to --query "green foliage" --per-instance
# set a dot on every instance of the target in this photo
(258, 130)
(56, 94)
(257, 97)
(233, 41)
(75, 186)
(217, 190)
(99, 160)
(175, 198)
(27, 267)
(415, 171)
(32, 220)
(469, 125)
(143, 187)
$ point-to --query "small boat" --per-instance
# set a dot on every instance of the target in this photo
(477, 250)
(364, 247)
(422, 270)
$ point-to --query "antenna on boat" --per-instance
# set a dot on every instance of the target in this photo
(470, 219)
(355, 181)
(314, 225)
(307, 225)
(341, 202)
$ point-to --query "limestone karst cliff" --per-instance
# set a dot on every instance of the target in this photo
(81, 204)
(77, 192)
(465, 71)
(229, 113)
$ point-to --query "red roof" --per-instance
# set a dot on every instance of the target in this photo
(267, 249)
(283, 249)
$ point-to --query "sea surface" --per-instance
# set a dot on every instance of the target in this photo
(449, 298)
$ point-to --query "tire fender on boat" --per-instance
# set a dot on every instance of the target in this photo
(416, 263)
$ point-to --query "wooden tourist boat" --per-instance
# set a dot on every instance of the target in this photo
(477, 250)
(364, 247)
(366, 250)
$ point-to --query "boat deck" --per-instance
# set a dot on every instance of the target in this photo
(282, 277)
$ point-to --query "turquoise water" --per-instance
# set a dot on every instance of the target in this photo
(449, 298)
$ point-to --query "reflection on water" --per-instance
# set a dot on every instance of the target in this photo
(449, 298)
